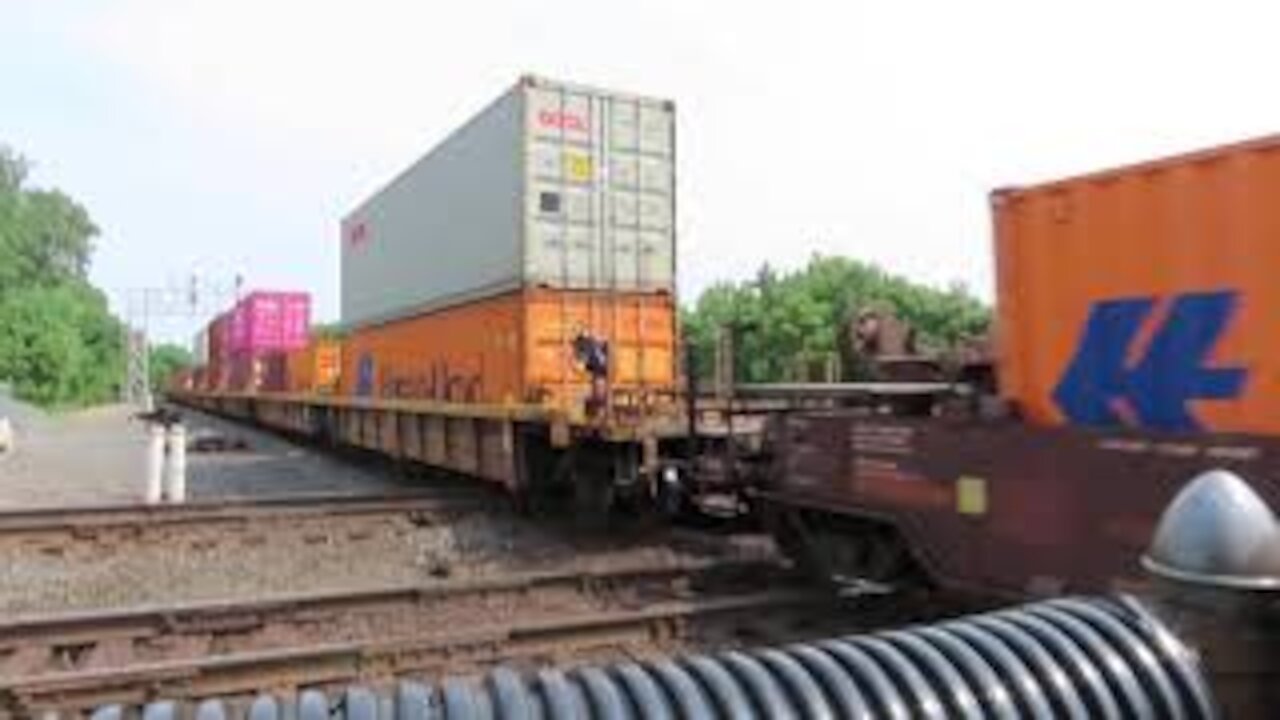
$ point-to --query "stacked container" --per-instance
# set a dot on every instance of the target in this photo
(264, 326)
(1145, 296)
(314, 368)
(541, 229)
(271, 321)
(219, 339)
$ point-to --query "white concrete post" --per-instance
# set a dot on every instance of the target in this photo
(6, 435)
(155, 463)
(175, 489)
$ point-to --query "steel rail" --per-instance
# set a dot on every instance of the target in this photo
(80, 628)
(29, 521)
(387, 657)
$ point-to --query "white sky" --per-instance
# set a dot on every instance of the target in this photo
(230, 136)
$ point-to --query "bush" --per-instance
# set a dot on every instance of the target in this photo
(795, 320)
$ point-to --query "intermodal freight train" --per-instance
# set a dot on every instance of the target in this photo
(1136, 315)
(509, 313)
(508, 309)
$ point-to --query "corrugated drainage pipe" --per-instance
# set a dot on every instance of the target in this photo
(1071, 658)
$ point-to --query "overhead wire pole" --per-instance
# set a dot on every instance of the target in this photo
(143, 304)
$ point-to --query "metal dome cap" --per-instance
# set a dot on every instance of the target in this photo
(1217, 531)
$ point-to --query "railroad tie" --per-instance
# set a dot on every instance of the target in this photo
(1069, 658)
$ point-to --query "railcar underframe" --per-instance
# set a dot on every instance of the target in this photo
(534, 454)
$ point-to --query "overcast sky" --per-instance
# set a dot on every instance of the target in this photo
(230, 136)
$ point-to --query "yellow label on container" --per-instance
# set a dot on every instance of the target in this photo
(971, 496)
(577, 167)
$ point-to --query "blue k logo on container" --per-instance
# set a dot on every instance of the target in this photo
(364, 376)
(1171, 372)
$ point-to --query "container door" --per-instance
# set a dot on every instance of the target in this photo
(564, 218)
(642, 194)
(601, 191)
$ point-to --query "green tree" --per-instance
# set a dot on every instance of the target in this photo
(165, 360)
(45, 236)
(59, 344)
(784, 322)
(326, 331)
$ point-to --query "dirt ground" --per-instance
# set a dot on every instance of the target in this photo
(90, 457)
(97, 457)
(255, 562)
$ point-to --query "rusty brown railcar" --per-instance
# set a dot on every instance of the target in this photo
(988, 506)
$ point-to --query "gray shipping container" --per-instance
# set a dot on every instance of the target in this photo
(553, 185)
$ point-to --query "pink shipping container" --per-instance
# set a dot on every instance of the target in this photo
(268, 321)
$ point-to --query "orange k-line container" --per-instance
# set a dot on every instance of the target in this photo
(314, 368)
(517, 348)
(1145, 296)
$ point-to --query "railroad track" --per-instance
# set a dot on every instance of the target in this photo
(95, 521)
(77, 661)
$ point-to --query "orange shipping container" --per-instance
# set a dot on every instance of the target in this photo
(314, 368)
(518, 347)
(1145, 296)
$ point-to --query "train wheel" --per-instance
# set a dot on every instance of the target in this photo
(863, 551)
(592, 504)
(842, 550)
(793, 538)
(548, 480)
(593, 496)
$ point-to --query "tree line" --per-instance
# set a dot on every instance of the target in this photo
(59, 344)
(796, 325)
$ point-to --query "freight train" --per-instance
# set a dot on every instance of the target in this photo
(1136, 311)
(508, 310)
(509, 313)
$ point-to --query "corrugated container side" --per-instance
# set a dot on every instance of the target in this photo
(273, 372)
(1145, 296)
(296, 326)
(298, 371)
(239, 373)
(238, 337)
(447, 228)
(516, 348)
(553, 185)
(217, 334)
(270, 321)
(600, 189)
(314, 368)
(219, 351)
(326, 364)
(253, 372)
